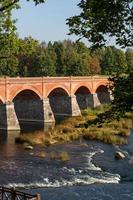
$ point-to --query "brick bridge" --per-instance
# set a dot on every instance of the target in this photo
(45, 99)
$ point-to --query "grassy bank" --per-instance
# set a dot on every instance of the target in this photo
(114, 132)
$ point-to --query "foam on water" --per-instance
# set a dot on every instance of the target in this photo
(72, 170)
(90, 165)
(77, 180)
(90, 174)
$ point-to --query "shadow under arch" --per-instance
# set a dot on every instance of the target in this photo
(84, 97)
(3, 117)
(60, 103)
(103, 94)
(29, 110)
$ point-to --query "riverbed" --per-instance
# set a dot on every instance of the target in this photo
(91, 173)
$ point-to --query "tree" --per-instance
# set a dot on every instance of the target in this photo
(6, 5)
(99, 19)
(8, 45)
(123, 94)
(129, 58)
(44, 61)
(26, 56)
(112, 60)
(123, 99)
(8, 40)
(95, 65)
(60, 54)
(112, 18)
(76, 58)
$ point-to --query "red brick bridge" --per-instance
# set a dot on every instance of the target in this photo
(45, 99)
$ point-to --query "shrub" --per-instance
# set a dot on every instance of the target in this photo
(53, 156)
(47, 143)
(127, 124)
(124, 132)
(129, 115)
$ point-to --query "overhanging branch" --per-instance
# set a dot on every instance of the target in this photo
(5, 7)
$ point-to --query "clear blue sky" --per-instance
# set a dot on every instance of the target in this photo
(45, 22)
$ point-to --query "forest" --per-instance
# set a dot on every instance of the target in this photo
(29, 57)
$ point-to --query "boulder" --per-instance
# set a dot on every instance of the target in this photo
(40, 154)
(119, 155)
(28, 147)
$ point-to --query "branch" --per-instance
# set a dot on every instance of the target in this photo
(3, 8)
(4, 57)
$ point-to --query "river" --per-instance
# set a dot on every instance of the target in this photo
(91, 173)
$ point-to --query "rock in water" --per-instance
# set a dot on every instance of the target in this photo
(119, 155)
(28, 147)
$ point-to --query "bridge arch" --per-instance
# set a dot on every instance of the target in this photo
(26, 94)
(103, 94)
(1, 100)
(60, 102)
(17, 90)
(84, 97)
(29, 109)
(3, 113)
(60, 88)
(80, 86)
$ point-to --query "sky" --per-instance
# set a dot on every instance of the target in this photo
(45, 22)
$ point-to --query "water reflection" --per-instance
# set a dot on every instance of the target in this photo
(33, 126)
(8, 137)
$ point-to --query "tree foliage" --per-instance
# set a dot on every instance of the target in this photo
(112, 60)
(67, 58)
(99, 19)
(8, 45)
(129, 59)
(123, 94)
(6, 5)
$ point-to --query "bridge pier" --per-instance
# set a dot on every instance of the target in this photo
(75, 110)
(48, 113)
(85, 101)
(95, 100)
(11, 122)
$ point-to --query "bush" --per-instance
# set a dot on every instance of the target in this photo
(47, 143)
(124, 132)
(53, 156)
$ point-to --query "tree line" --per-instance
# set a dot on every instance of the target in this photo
(28, 57)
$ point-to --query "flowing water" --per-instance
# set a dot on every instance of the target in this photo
(92, 172)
